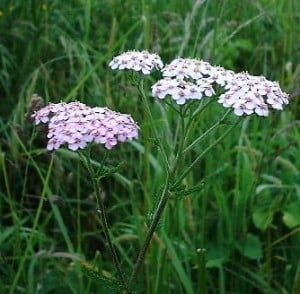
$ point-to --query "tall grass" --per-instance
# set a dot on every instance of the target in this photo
(239, 233)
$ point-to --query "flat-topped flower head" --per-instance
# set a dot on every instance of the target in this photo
(137, 60)
(182, 68)
(196, 69)
(181, 90)
(248, 94)
(75, 125)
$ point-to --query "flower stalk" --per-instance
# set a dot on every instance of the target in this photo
(153, 225)
(212, 128)
(140, 86)
(103, 220)
(201, 155)
(164, 197)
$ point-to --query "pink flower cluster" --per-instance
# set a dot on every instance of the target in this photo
(248, 94)
(75, 124)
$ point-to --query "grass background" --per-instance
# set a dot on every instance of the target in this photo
(239, 234)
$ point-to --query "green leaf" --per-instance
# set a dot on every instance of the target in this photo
(250, 247)
(291, 214)
(262, 217)
(182, 191)
(268, 205)
(216, 256)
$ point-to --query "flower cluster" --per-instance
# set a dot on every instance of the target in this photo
(75, 124)
(186, 78)
(138, 61)
(189, 79)
(181, 90)
(198, 70)
(248, 94)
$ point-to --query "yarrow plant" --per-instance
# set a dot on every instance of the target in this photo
(76, 125)
(188, 82)
(185, 80)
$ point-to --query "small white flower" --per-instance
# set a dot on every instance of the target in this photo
(138, 61)
(262, 110)
(220, 75)
(205, 86)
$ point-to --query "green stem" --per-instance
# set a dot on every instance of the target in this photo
(179, 153)
(101, 211)
(213, 127)
(193, 119)
(156, 218)
(185, 173)
(170, 170)
(140, 86)
(160, 207)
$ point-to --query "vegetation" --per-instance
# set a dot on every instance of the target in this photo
(236, 232)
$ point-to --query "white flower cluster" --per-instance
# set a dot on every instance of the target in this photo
(181, 90)
(138, 61)
(248, 94)
(189, 79)
(198, 70)
(75, 124)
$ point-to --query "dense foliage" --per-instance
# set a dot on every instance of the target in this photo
(236, 232)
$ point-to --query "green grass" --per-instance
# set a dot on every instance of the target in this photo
(238, 233)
